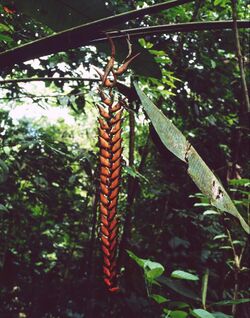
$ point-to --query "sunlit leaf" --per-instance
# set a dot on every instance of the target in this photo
(138, 260)
(4, 27)
(220, 236)
(201, 313)
(210, 212)
(158, 298)
(204, 287)
(178, 314)
(5, 38)
(183, 275)
(3, 208)
(221, 315)
(152, 270)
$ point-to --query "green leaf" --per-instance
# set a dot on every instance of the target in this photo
(210, 212)
(3, 171)
(201, 313)
(178, 305)
(176, 142)
(201, 204)
(240, 182)
(213, 64)
(178, 314)
(3, 208)
(138, 260)
(153, 273)
(184, 275)
(179, 287)
(71, 13)
(158, 298)
(220, 236)
(238, 242)
(204, 287)
(134, 173)
(230, 302)
(5, 38)
(221, 3)
(221, 315)
(79, 12)
(144, 44)
(169, 134)
(153, 270)
(4, 28)
(7, 150)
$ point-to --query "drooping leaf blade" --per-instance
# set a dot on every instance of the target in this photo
(82, 20)
(71, 13)
(176, 142)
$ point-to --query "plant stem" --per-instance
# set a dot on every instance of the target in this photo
(173, 28)
(131, 138)
(47, 79)
(133, 191)
(236, 268)
(127, 223)
(240, 56)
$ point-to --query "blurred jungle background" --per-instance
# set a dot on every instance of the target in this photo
(179, 257)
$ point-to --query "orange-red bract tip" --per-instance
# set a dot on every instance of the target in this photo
(8, 10)
(114, 289)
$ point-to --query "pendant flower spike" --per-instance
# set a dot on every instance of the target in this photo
(110, 155)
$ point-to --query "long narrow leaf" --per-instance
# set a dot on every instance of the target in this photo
(173, 28)
(77, 36)
(204, 288)
(81, 12)
(203, 177)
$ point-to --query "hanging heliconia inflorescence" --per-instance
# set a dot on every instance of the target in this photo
(110, 143)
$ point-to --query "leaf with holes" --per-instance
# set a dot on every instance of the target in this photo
(177, 143)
